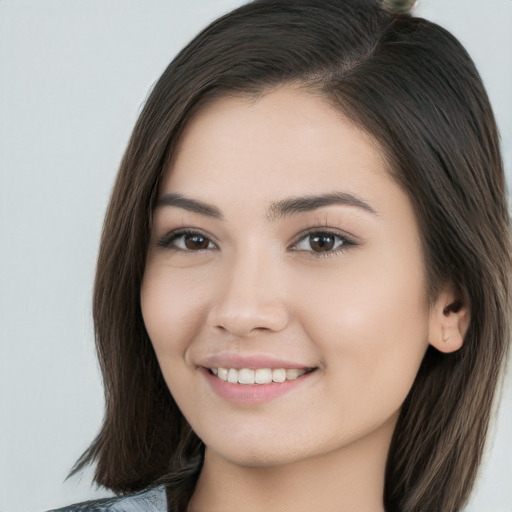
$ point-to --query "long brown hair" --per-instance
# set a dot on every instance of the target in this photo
(411, 85)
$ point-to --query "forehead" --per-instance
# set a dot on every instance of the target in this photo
(287, 142)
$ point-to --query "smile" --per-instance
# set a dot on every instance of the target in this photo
(250, 376)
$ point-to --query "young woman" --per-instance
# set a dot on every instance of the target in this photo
(303, 286)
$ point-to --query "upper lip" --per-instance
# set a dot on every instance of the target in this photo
(251, 361)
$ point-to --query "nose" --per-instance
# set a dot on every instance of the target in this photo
(251, 297)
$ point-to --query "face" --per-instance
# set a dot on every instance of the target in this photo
(285, 290)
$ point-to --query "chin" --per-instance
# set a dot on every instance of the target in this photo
(272, 449)
(259, 457)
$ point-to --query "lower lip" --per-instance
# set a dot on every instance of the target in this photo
(253, 393)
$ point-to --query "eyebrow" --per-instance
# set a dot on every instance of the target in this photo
(276, 210)
(191, 205)
(295, 205)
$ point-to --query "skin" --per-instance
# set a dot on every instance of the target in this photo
(359, 314)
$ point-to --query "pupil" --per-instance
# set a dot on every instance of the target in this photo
(321, 243)
(196, 242)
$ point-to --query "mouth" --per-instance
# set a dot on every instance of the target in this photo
(255, 376)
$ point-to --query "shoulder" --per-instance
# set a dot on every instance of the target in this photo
(152, 500)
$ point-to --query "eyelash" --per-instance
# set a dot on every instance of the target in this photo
(169, 240)
(344, 242)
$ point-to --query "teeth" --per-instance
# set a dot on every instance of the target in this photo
(233, 376)
(245, 376)
(279, 375)
(263, 376)
(258, 376)
(293, 373)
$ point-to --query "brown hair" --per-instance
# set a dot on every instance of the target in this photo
(411, 85)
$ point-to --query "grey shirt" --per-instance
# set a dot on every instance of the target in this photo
(151, 500)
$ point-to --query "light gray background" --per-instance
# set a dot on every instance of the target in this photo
(73, 76)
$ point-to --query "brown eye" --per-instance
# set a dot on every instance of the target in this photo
(186, 242)
(196, 242)
(322, 242)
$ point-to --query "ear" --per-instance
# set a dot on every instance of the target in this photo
(449, 320)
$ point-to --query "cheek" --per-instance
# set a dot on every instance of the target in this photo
(172, 308)
(371, 321)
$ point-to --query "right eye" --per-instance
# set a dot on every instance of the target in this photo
(189, 241)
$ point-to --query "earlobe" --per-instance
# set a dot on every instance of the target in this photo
(449, 321)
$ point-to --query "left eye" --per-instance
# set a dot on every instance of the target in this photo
(189, 242)
(320, 242)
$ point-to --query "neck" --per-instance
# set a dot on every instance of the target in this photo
(348, 479)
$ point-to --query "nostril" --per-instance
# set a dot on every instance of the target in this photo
(243, 321)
